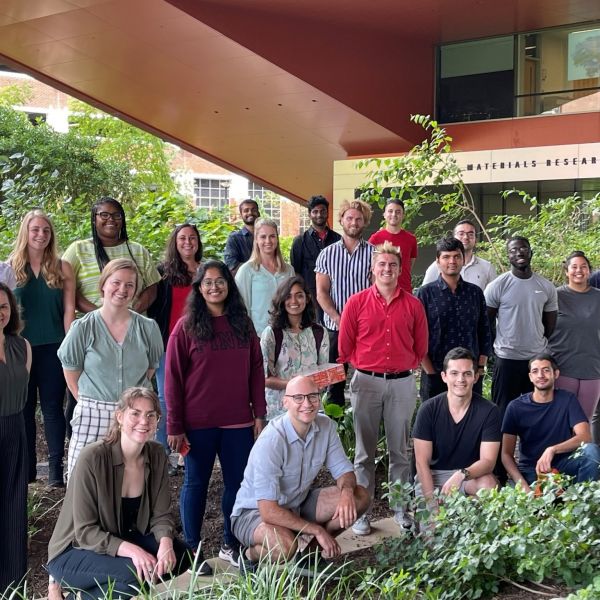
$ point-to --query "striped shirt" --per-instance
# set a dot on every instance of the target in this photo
(82, 257)
(348, 273)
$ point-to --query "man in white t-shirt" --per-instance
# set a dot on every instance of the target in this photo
(475, 270)
(525, 306)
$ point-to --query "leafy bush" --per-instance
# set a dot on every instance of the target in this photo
(501, 535)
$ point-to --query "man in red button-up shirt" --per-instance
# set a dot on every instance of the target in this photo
(383, 334)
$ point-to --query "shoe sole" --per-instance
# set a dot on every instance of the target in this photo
(361, 532)
(229, 559)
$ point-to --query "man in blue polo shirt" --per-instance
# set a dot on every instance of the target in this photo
(552, 428)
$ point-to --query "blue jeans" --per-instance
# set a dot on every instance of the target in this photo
(46, 377)
(585, 466)
(161, 430)
(94, 574)
(232, 447)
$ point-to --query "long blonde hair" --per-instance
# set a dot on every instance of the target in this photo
(51, 269)
(254, 259)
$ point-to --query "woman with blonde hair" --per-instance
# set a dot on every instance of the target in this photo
(105, 352)
(259, 278)
(46, 294)
(115, 532)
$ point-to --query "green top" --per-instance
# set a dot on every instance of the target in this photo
(42, 310)
(90, 517)
(13, 376)
(82, 257)
(109, 368)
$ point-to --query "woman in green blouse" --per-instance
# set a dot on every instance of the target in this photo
(46, 293)
(106, 352)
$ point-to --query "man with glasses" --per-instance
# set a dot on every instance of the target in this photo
(238, 247)
(475, 270)
(383, 334)
(276, 501)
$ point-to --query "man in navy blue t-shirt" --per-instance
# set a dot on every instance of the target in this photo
(551, 427)
(456, 434)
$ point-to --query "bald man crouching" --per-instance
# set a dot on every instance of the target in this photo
(276, 501)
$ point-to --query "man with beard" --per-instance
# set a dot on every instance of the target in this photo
(474, 270)
(524, 306)
(405, 240)
(456, 316)
(383, 333)
(239, 243)
(551, 427)
(343, 269)
(307, 246)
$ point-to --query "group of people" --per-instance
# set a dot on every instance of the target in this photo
(252, 322)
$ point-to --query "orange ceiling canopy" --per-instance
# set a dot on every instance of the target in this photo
(273, 89)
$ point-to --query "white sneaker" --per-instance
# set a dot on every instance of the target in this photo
(402, 519)
(362, 526)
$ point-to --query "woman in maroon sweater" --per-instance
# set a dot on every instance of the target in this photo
(214, 388)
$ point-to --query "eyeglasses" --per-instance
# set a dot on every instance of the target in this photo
(105, 216)
(313, 398)
(218, 283)
(136, 415)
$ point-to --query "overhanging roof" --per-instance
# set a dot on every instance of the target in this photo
(274, 89)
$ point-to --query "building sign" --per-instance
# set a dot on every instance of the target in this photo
(576, 161)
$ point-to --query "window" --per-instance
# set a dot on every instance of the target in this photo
(211, 193)
(551, 71)
(268, 201)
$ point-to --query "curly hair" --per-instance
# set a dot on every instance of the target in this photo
(174, 270)
(51, 269)
(102, 257)
(279, 316)
(198, 320)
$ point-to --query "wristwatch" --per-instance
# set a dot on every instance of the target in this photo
(466, 473)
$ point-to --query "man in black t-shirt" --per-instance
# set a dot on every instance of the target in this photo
(456, 434)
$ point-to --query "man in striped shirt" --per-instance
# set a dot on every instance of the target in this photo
(343, 269)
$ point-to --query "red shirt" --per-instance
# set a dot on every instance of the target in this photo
(178, 297)
(407, 242)
(382, 337)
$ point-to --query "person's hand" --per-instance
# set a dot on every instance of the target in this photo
(337, 320)
(329, 547)
(165, 557)
(259, 425)
(177, 441)
(346, 508)
(143, 561)
(453, 484)
(544, 464)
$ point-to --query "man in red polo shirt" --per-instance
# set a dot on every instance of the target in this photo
(383, 334)
(401, 238)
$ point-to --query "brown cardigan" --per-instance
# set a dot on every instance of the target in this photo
(91, 514)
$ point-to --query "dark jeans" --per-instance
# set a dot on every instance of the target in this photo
(94, 574)
(46, 377)
(509, 380)
(161, 430)
(232, 446)
(583, 465)
(433, 385)
(336, 391)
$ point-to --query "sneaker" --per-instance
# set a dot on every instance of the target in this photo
(200, 566)
(245, 565)
(402, 519)
(362, 526)
(229, 554)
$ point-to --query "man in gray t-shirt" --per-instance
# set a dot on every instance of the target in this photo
(525, 307)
